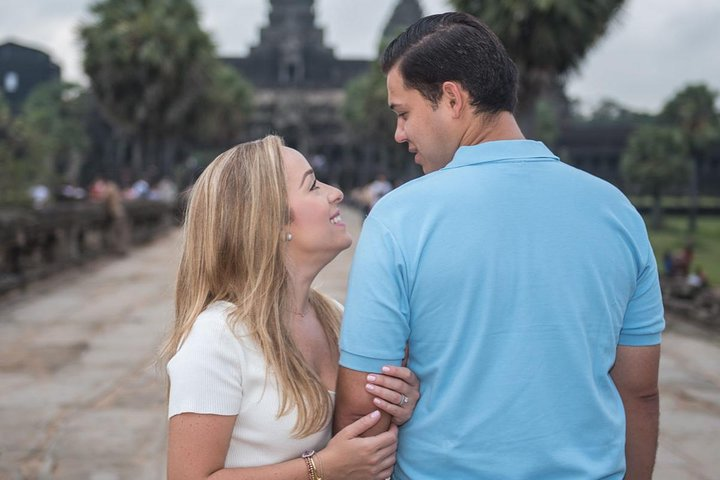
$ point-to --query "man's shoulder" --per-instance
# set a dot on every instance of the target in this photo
(594, 185)
(405, 197)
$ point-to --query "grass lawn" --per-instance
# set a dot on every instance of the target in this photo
(674, 236)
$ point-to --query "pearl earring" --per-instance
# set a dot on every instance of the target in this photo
(289, 237)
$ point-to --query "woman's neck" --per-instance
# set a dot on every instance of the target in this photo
(302, 273)
(300, 284)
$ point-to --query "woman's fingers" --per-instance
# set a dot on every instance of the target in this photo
(360, 426)
(402, 373)
(398, 414)
(393, 391)
(387, 463)
(388, 382)
(396, 392)
(388, 452)
(389, 395)
(399, 379)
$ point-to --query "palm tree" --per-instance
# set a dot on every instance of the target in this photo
(221, 115)
(693, 111)
(655, 160)
(547, 39)
(149, 64)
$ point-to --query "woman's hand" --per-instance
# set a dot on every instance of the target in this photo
(396, 392)
(352, 457)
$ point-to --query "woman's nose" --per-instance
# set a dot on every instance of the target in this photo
(336, 195)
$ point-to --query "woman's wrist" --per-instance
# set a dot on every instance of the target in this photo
(309, 457)
(320, 463)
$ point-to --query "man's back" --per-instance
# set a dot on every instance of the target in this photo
(513, 278)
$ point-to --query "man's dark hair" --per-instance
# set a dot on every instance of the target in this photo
(455, 47)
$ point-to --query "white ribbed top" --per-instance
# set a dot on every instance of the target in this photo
(216, 372)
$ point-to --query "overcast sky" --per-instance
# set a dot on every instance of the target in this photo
(654, 48)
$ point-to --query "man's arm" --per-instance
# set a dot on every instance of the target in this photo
(375, 326)
(352, 401)
(635, 374)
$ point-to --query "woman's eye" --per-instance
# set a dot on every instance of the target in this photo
(314, 185)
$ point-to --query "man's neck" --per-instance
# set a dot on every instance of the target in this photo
(491, 128)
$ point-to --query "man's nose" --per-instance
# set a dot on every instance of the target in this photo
(400, 136)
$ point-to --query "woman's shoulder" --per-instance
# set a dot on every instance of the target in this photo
(217, 312)
(206, 373)
(214, 318)
(214, 335)
(215, 321)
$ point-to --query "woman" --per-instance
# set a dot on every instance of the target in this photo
(252, 358)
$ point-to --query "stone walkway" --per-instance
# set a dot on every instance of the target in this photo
(80, 397)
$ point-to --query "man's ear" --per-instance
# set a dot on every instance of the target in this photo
(455, 97)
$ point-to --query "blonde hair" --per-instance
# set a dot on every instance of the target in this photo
(234, 250)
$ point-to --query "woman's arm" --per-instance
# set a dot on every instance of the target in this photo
(198, 445)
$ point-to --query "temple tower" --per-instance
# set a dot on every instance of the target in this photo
(292, 52)
(299, 88)
(405, 14)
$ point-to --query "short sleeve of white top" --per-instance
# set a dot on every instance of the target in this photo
(217, 372)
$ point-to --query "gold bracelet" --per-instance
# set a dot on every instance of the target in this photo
(310, 464)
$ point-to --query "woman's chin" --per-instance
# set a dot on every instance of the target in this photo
(342, 248)
(348, 245)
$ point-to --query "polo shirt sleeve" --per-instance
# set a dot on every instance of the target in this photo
(375, 325)
(644, 317)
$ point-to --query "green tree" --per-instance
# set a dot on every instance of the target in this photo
(366, 107)
(693, 111)
(547, 129)
(373, 127)
(547, 39)
(151, 67)
(371, 120)
(53, 119)
(16, 173)
(655, 160)
(610, 111)
(220, 115)
(7, 155)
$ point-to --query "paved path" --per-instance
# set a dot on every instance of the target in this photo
(80, 399)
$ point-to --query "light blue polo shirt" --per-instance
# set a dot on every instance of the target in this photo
(513, 277)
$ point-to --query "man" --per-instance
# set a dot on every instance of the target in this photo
(525, 290)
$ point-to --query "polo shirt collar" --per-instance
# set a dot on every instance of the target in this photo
(486, 152)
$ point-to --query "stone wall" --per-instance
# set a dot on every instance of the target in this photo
(35, 244)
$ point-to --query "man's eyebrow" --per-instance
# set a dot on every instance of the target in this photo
(305, 175)
(393, 106)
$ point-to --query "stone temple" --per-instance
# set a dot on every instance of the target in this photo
(299, 84)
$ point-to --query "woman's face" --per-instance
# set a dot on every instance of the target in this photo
(318, 232)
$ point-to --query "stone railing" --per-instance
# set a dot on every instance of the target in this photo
(699, 305)
(34, 244)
